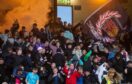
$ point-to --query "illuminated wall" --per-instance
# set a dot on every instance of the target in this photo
(87, 7)
(26, 11)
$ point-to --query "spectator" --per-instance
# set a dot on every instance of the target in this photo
(128, 72)
(59, 59)
(112, 77)
(71, 74)
(56, 77)
(32, 77)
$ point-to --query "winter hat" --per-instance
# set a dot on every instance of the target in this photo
(39, 48)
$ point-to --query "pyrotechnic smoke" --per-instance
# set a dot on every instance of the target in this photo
(25, 11)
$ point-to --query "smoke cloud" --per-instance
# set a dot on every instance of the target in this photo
(25, 11)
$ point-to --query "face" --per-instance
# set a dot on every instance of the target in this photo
(19, 52)
(40, 51)
(87, 73)
(78, 47)
(35, 71)
(30, 48)
(55, 70)
(69, 46)
(38, 40)
(130, 65)
(118, 57)
(111, 74)
(84, 52)
(46, 43)
(58, 44)
(43, 51)
(1, 61)
(81, 45)
(53, 65)
(72, 66)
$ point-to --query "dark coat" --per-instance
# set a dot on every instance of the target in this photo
(59, 59)
(119, 65)
(129, 75)
(91, 79)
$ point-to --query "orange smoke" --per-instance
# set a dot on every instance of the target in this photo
(25, 11)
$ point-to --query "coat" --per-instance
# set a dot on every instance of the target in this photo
(73, 77)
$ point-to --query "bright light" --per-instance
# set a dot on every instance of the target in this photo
(98, 2)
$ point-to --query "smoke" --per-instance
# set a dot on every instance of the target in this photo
(25, 11)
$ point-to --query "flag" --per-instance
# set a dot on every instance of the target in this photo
(87, 55)
(107, 22)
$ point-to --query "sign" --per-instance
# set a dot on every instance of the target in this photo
(63, 2)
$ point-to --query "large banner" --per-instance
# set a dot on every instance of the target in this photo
(107, 22)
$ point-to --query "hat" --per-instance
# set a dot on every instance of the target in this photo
(39, 48)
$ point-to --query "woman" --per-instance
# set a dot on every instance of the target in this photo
(112, 77)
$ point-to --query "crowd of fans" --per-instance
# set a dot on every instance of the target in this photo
(42, 57)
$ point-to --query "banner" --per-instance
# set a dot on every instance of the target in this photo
(107, 22)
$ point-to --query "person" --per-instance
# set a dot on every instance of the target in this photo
(90, 77)
(128, 72)
(112, 77)
(32, 77)
(71, 74)
(80, 79)
(1, 70)
(56, 77)
(101, 71)
(59, 59)
(68, 51)
(43, 75)
(19, 74)
(119, 63)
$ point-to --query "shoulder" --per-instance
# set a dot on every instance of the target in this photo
(29, 73)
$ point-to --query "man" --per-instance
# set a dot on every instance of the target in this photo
(59, 58)
(32, 77)
(72, 74)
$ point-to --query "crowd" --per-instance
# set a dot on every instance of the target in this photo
(42, 57)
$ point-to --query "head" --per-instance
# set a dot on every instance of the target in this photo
(1, 61)
(129, 64)
(46, 43)
(42, 68)
(112, 74)
(40, 50)
(10, 50)
(69, 46)
(72, 66)
(35, 70)
(43, 51)
(81, 45)
(84, 52)
(118, 55)
(78, 47)
(19, 51)
(38, 40)
(30, 48)
(35, 25)
(19, 40)
(58, 44)
(87, 73)
(55, 70)
(53, 65)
